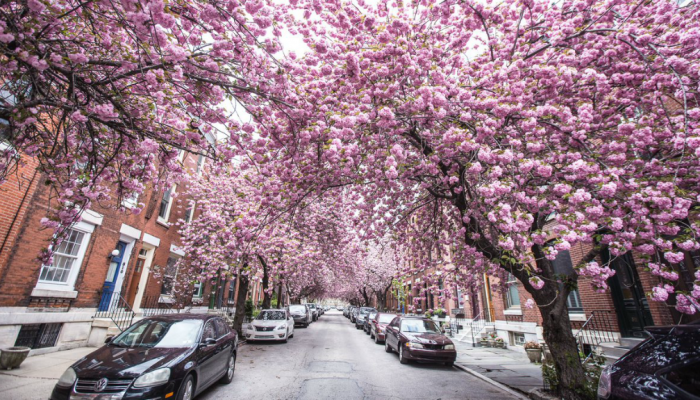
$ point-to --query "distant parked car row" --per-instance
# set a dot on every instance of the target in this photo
(174, 356)
(413, 338)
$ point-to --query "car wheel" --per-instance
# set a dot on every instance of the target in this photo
(187, 389)
(371, 335)
(376, 339)
(387, 348)
(450, 364)
(230, 370)
(285, 340)
(402, 359)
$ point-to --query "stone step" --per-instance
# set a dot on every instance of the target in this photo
(630, 342)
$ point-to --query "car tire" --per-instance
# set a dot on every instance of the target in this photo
(230, 370)
(387, 348)
(450, 364)
(402, 359)
(371, 335)
(376, 339)
(285, 340)
(186, 389)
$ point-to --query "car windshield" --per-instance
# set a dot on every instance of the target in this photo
(386, 318)
(365, 310)
(162, 334)
(301, 309)
(271, 316)
(372, 314)
(419, 326)
(311, 305)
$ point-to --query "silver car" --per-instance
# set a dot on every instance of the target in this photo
(302, 314)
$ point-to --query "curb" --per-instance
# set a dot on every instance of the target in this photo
(484, 378)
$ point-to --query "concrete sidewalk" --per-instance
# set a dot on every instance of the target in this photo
(507, 367)
(37, 375)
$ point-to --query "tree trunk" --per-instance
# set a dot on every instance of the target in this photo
(279, 295)
(267, 296)
(243, 283)
(365, 297)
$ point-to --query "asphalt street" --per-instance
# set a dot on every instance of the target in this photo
(332, 360)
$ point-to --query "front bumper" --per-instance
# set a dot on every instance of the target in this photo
(152, 393)
(430, 355)
(272, 335)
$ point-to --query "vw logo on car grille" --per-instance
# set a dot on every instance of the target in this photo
(101, 385)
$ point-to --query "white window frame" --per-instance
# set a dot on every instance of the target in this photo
(199, 293)
(164, 220)
(511, 283)
(177, 270)
(132, 201)
(190, 217)
(69, 284)
(201, 160)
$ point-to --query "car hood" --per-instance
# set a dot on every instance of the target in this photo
(120, 362)
(428, 338)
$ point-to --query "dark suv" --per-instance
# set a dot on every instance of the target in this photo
(665, 366)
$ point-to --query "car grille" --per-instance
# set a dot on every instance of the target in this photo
(113, 386)
(264, 328)
(433, 346)
(264, 336)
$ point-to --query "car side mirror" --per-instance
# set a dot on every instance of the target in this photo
(108, 339)
(208, 342)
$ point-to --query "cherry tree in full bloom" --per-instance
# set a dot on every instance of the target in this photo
(494, 126)
(106, 95)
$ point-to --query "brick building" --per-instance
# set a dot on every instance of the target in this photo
(109, 260)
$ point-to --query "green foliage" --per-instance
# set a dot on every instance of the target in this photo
(549, 374)
(249, 308)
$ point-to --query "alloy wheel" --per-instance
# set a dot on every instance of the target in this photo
(188, 390)
(231, 367)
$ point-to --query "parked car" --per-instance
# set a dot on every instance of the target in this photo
(272, 324)
(353, 315)
(347, 311)
(378, 326)
(419, 339)
(665, 366)
(302, 314)
(360, 317)
(160, 357)
(314, 311)
(368, 317)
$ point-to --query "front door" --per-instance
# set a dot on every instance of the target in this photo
(631, 305)
(111, 278)
(136, 277)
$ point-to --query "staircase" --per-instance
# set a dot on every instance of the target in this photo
(113, 316)
(614, 350)
(472, 330)
(598, 335)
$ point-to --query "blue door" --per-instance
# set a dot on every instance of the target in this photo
(115, 265)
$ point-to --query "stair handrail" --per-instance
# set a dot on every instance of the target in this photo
(593, 332)
(118, 310)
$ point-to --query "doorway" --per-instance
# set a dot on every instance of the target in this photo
(631, 306)
(112, 276)
(136, 277)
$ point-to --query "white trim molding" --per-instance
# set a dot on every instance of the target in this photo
(92, 217)
(150, 239)
(177, 250)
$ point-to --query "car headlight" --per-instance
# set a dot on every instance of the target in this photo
(68, 378)
(605, 383)
(283, 326)
(449, 347)
(155, 378)
(248, 327)
(414, 345)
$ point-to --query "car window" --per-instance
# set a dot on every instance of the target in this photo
(209, 332)
(271, 315)
(161, 334)
(297, 308)
(395, 322)
(221, 327)
(386, 318)
(419, 326)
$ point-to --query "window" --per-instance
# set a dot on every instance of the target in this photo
(38, 336)
(517, 339)
(512, 298)
(198, 289)
(66, 259)
(165, 205)
(209, 331)
(563, 266)
(200, 164)
(169, 275)
(141, 260)
(189, 214)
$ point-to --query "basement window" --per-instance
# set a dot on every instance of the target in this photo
(38, 336)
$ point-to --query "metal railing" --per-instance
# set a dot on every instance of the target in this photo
(113, 306)
(152, 305)
(598, 328)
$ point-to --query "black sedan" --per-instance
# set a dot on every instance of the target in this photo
(665, 366)
(170, 356)
(419, 339)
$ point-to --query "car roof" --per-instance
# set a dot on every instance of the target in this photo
(274, 309)
(180, 316)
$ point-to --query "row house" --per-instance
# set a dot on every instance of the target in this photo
(612, 321)
(110, 259)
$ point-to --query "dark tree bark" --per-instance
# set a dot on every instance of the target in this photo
(381, 298)
(280, 303)
(365, 297)
(243, 283)
(267, 295)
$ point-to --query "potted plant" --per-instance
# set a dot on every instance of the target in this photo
(500, 343)
(440, 313)
(485, 342)
(534, 351)
(12, 357)
(492, 339)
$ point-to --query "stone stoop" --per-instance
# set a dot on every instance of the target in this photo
(614, 350)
